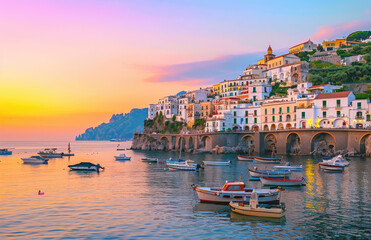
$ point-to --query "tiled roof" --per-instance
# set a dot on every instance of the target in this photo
(300, 44)
(281, 56)
(285, 65)
(317, 86)
(333, 95)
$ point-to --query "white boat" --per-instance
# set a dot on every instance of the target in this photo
(216, 163)
(267, 160)
(50, 153)
(282, 181)
(245, 158)
(235, 191)
(186, 165)
(253, 208)
(333, 168)
(85, 166)
(339, 159)
(35, 159)
(122, 157)
(287, 166)
(150, 159)
(269, 173)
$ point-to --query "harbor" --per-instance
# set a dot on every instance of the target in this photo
(135, 198)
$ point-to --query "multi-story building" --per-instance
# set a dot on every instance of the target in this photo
(267, 56)
(206, 109)
(193, 113)
(216, 88)
(291, 74)
(282, 60)
(303, 47)
(360, 114)
(323, 88)
(333, 44)
(278, 114)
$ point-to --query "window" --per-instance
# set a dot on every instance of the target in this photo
(255, 112)
(280, 110)
(265, 111)
(359, 105)
(280, 119)
(254, 89)
(338, 103)
(246, 113)
(303, 115)
(254, 98)
(265, 119)
(273, 110)
(255, 120)
(273, 118)
(295, 109)
(246, 120)
(324, 114)
(368, 117)
(288, 109)
(324, 104)
(235, 121)
(234, 113)
(338, 113)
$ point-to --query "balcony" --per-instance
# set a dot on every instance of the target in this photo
(359, 117)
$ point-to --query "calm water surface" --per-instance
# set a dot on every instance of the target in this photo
(133, 199)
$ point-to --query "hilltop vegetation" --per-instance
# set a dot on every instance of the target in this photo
(162, 125)
(357, 36)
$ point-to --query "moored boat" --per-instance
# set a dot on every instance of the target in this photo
(245, 158)
(339, 159)
(35, 159)
(50, 153)
(235, 191)
(253, 208)
(150, 159)
(122, 157)
(86, 166)
(216, 163)
(5, 151)
(269, 173)
(287, 166)
(185, 165)
(333, 168)
(69, 154)
(267, 160)
(282, 181)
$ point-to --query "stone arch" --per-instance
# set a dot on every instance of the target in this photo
(270, 142)
(339, 123)
(266, 128)
(273, 127)
(303, 124)
(288, 126)
(255, 128)
(280, 127)
(365, 144)
(295, 77)
(191, 144)
(325, 123)
(173, 142)
(247, 128)
(181, 142)
(323, 144)
(293, 143)
(165, 142)
(248, 141)
(207, 142)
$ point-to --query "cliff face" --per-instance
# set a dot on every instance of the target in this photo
(120, 126)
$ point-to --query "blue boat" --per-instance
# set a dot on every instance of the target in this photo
(269, 173)
(5, 151)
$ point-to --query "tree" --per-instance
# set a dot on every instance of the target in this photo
(320, 48)
(367, 57)
(356, 49)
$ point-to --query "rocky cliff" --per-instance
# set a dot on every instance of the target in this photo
(120, 126)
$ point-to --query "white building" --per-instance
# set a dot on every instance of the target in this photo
(292, 73)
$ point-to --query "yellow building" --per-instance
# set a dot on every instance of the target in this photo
(303, 47)
(267, 56)
(216, 89)
(282, 60)
(332, 45)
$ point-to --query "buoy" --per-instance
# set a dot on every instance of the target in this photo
(41, 193)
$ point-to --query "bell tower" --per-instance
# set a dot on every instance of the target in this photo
(269, 54)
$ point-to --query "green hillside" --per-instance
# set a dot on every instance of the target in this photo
(357, 36)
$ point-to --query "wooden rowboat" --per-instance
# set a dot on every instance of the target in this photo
(217, 163)
(282, 182)
(269, 173)
(267, 160)
(245, 158)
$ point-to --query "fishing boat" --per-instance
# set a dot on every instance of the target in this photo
(287, 166)
(216, 163)
(180, 164)
(253, 208)
(5, 151)
(338, 159)
(269, 173)
(122, 157)
(150, 159)
(50, 153)
(245, 158)
(35, 159)
(85, 166)
(333, 168)
(282, 181)
(235, 191)
(69, 154)
(267, 160)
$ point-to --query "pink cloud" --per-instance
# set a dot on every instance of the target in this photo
(327, 32)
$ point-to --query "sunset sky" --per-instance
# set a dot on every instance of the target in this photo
(68, 65)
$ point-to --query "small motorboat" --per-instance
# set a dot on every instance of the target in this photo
(122, 157)
(150, 159)
(339, 159)
(269, 173)
(86, 166)
(180, 164)
(267, 160)
(235, 191)
(50, 153)
(245, 158)
(287, 166)
(40, 193)
(35, 159)
(282, 181)
(216, 163)
(5, 151)
(253, 208)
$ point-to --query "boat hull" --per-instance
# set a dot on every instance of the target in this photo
(267, 160)
(122, 158)
(34, 160)
(325, 165)
(245, 158)
(50, 155)
(291, 168)
(333, 169)
(281, 182)
(68, 154)
(93, 168)
(149, 159)
(225, 197)
(215, 163)
(6, 153)
(271, 174)
(181, 167)
(258, 212)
